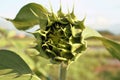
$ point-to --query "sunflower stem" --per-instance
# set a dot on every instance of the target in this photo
(63, 71)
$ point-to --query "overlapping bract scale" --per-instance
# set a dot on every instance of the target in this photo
(61, 39)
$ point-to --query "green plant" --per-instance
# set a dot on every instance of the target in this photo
(61, 38)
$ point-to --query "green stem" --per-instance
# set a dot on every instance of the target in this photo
(63, 71)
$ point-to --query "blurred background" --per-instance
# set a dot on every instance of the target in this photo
(95, 64)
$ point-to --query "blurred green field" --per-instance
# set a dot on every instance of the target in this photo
(95, 64)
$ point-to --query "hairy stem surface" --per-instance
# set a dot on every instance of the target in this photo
(63, 71)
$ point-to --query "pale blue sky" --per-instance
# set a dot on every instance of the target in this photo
(100, 14)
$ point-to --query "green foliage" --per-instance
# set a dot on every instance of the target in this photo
(3, 32)
(21, 46)
(83, 68)
(60, 38)
(12, 67)
(111, 46)
(107, 75)
(36, 14)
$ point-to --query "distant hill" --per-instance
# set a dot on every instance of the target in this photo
(105, 32)
(109, 34)
(114, 28)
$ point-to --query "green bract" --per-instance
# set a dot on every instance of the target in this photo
(61, 37)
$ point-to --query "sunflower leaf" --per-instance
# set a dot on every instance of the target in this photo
(112, 46)
(30, 15)
(12, 67)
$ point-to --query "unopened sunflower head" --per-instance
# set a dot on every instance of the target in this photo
(61, 39)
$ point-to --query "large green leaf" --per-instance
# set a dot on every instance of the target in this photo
(112, 46)
(19, 50)
(30, 15)
(90, 33)
(22, 77)
(12, 67)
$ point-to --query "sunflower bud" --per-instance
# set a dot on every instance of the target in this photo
(61, 39)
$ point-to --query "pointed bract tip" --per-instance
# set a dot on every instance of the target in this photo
(73, 8)
(60, 6)
(7, 19)
(84, 18)
(50, 6)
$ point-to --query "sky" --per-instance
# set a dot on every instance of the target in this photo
(100, 14)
